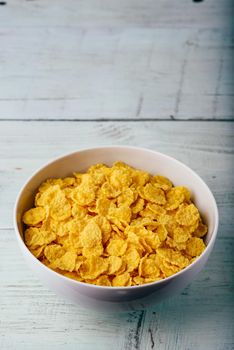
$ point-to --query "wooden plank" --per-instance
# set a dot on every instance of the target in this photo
(109, 13)
(131, 60)
(207, 147)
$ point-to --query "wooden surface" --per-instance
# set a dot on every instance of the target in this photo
(116, 59)
(156, 74)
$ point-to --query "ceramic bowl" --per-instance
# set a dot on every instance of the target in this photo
(119, 298)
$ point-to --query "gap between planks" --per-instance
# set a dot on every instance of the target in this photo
(172, 118)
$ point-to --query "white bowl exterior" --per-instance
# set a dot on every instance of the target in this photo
(125, 298)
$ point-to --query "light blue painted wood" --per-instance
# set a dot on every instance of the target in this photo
(124, 59)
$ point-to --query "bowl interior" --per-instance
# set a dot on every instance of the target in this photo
(152, 162)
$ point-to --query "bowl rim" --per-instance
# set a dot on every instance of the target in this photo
(120, 288)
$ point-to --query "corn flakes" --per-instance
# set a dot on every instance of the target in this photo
(114, 226)
(103, 281)
(34, 216)
(116, 247)
(91, 235)
(195, 246)
(115, 263)
(122, 280)
(93, 267)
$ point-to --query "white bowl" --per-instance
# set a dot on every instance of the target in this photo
(119, 298)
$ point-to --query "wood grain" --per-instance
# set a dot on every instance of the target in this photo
(199, 318)
(109, 13)
(116, 60)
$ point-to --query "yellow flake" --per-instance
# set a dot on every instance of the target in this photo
(172, 256)
(148, 268)
(162, 232)
(153, 194)
(104, 226)
(91, 235)
(201, 230)
(138, 206)
(181, 234)
(93, 267)
(34, 216)
(126, 197)
(78, 211)
(83, 195)
(122, 213)
(115, 263)
(120, 178)
(116, 247)
(187, 215)
(95, 251)
(103, 206)
(132, 258)
(103, 281)
(109, 191)
(137, 280)
(35, 237)
(175, 196)
(122, 280)
(195, 246)
(162, 182)
(140, 178)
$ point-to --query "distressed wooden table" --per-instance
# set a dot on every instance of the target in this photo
(149, 73)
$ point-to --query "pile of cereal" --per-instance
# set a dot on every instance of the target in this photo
(114, 226)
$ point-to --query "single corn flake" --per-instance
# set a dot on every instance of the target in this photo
(34, 216)
(162, 232)
(60, 208)
(148, 268)
(187, 215)
(138, 206)
(47, 196)
(67, 262)
(120, 178)
(122, 213)
(153, 194)
(181, 234)
(126, 197)
(122, 280)
(116, 247)
(78, 211)
(195, 246)
(109, 191)
(175, 196)
(91, 235)
(200, 231)
(138, 280)
(103, 281)
(54, 251)
(83, 195)
(93, 267)
(163, 182)
(132, 258)
(115, 263)
(103, 206)
(35, 237)
(95, 251)
(104, 226)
